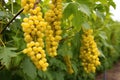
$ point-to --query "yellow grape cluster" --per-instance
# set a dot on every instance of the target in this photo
(68, 64)
(34, 27)
(89, 52)
(53, 32)
(27, 5)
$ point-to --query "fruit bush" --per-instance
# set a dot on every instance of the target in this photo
(57, 39)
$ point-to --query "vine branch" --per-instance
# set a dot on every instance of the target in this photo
(20, 11)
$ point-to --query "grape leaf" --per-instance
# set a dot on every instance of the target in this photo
(45, 75)
(85, 9)
(58, 75)
(6, 54)
(70, 9)
(29, 69)
(58, 63)
(86, 25)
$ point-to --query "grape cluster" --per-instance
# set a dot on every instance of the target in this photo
(89, 52)
(27, 5)
(68, 64)
(37, 55)
(34, 28)
(53, 32)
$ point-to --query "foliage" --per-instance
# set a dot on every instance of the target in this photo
(77, 14)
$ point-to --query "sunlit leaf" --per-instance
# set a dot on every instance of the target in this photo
(85, 9)
(6, 53)
(70, 9)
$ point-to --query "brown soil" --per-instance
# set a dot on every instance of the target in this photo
(112, 74)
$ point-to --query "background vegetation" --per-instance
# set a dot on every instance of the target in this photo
(90, 14)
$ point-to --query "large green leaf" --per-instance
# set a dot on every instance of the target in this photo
(49, 75)
(77, 20)
(29, 69)
(77, 11)
(17, 43)
(17, 60)
(6, 54)
(85, 9)
(58, 63)
(59, 76)
(103, 35)
(86, 25)
(45, 75)
(112, 3)
(70, 9)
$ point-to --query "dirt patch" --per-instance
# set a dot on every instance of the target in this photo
(112, 74)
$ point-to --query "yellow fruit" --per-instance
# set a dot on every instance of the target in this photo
(23, 3)
(41, 62)
(44, 59)
(38, 9)
(44, 69)
(89, 52)
(31, 5)
(53, 32)
(39, 31)
(25, 19)
(25, 51)
(31, 53)
(38, 56)
(68, 64)
(25, 25)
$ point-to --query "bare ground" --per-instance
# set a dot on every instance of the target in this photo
(112, 74)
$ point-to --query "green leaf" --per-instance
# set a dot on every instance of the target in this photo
(6, 54)
(41, 74)
(103, 1)
(112, 3)
(51, 75)
(17, 7)
(77, 20)
(85, 9)
(29, 69)
(101, 54)
(58, 63)
(75, 67)
(100, 7)
(94, 16)
(59, 76)
(48, 75)
(45, 75)
(70, 9)
(100, 15)
(86, 25)
(17, 60)
(65, 50)
(2, 13)
(17, 43)
(18, 2)
(103, 35)
(4, 73)
(76, 45)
